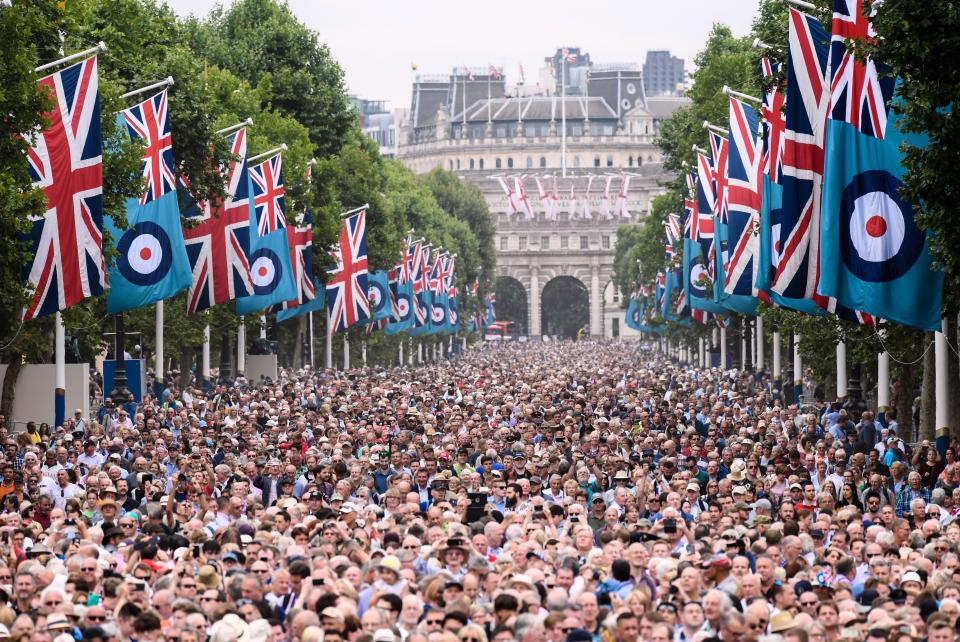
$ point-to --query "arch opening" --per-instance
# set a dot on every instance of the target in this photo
(565, 307)
(511, 304)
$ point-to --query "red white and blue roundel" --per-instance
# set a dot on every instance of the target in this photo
(145, 254)
(454, 316)
(635, 316)
(265, 271)
(437, 313)
(403, 306)
(698, 277)
(879, 239)
(377, 296)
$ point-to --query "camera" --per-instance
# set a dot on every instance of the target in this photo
(669, 526)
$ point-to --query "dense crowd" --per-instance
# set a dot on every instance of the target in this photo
(563, 492)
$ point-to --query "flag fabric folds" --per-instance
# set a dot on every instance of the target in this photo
(378, 293)
(152, 262)
(218, 242)
(66, 163)
(875, 258)
(271, 274)
(347, 288)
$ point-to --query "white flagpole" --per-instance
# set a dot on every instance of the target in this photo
(346, 352)
(101, 46)
(205, 359)
(227, 130)
(60, 372)
(241, 348)
(166, 82)
(271, 152)
(563, 113)
(158, 350)
(310, 321)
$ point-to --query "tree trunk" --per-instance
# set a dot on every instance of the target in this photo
(186, 362)
(10, 377)
(928, 391)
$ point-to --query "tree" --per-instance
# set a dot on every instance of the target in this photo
(262, 41)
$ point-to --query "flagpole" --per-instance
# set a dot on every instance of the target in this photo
(310, 330)
(354, 210)
(100, 46)
(227, 130)
(241, 348)
(166, 82)
(60, 373)
(205, 363)
(715, 128)
(740, 95)
(158, 369)
(463, 134)
(563, 113)
(489, 78)
(328, 345)
(271, 152)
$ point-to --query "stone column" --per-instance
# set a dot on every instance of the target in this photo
(534, 329)
(596, 302)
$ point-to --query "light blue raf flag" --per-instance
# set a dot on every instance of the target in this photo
(152, 262)
(403, 321)
(633, 315)
(315, 305)
(453, 314)
(696, 278)
(378, 292)
(874, 257)
(270, 271)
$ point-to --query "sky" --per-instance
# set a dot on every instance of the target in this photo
(376, 41)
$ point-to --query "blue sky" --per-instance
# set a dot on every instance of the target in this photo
(376, 40)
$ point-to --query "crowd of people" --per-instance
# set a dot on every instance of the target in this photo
(567, 492)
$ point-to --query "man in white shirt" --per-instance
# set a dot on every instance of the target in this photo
(90, 457)
(64, 490)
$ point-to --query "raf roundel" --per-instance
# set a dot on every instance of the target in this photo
(265, 271)
(454, 317)
(698, 276)
(145, 254)
(437, 314)
(879, 240)
(403, 307)
(376, 295)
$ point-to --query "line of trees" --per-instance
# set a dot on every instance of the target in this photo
(254, 59)
(919, 45)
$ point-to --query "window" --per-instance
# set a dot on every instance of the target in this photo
(639, 161)
(523, 243)
(471, 163)
(497, 163)
(616, 294)
(584, 242)
(451, 164)
(529, 161)
(615, 327)
(605, 242)
(458, 163)
(481, 163)
(630, 161)
(609, 161)
(509, 163)
(576, 161)
(564, 242)
(503, 243)
(543, 161)
(596, 161)
(501, 131)
(544, 242)
(530, 130)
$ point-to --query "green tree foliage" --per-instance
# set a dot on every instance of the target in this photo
(262, 41)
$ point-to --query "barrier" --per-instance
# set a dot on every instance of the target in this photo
(35, 391)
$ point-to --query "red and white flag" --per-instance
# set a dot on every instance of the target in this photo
(621, 208)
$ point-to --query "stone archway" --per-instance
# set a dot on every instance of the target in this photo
(511, 304)
(565, 307)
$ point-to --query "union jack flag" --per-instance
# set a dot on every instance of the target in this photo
(347, 289)
(65, 161)
(774, 124)
(268, 195)
(449, 281)
(544, 199)
(218, 243)
(569, 57)
(414, 260)
(495, 73)
(744, 171)
(808, 95)
(149, 123)
(300, 242)
(719, 152)
(436, 275)
(861, 91)
(701, 223)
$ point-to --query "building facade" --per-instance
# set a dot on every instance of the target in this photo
(498, 136)
(663, 74)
